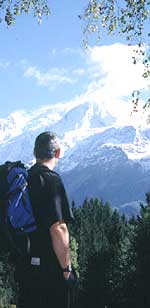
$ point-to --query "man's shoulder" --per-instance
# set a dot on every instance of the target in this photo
(38, 170)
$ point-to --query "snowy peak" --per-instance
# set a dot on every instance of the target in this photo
(19, 122)
(82, 118)
(104, 146)
(101, 158)
(10, 127)
(62, 118)
(85, 128)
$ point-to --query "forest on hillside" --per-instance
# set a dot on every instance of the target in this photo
(111, 255)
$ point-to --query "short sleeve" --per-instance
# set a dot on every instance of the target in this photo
(48, 197)
(57, 205)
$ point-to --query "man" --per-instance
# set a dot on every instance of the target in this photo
(45, 282)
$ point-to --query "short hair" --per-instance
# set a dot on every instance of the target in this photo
(46, 145)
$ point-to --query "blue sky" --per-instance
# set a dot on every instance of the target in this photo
(46, 64)
(44, 46)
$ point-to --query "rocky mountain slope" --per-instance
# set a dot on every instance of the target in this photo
(101, 158)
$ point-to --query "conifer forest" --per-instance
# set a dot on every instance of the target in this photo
(111, 255)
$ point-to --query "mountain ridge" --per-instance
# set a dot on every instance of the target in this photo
(96, 149)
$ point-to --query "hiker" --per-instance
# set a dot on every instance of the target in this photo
(48, 279)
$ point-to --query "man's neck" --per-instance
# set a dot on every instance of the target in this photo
(50, 164)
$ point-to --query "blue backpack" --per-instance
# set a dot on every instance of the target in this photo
(16, 215)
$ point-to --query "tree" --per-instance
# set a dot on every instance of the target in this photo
(105, 255)
(8, 294)
(127, 18)
(9, 10)
(142, 249)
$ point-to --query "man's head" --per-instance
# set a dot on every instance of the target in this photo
(47, 146)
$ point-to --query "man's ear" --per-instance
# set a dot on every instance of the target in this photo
(57, 154)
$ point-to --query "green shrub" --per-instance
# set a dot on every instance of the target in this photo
(8, 292)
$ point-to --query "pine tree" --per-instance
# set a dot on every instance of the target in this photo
(106, 255)
(142, 247)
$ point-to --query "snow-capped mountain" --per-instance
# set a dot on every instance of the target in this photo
(101, 158)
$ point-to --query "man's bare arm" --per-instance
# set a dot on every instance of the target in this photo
(60, 241)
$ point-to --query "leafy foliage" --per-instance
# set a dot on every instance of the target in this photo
(127, 17)
(7, 284)
(74, 254)
(9, 10)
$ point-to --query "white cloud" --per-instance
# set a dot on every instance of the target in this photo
(109, 77)
(51, 78)
(65, 52)
(4, 64)
(53, 52)
(113, 79)
(79, 72)
(114, 66)
(74, 51)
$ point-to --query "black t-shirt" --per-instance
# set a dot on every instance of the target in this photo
(50, 205)
(48, 197)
